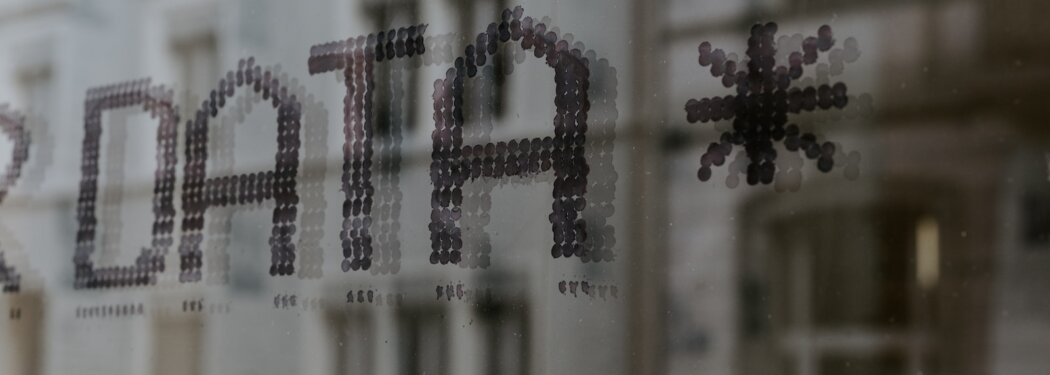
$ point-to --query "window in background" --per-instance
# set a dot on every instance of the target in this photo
(20, 333)
(424, 340)
(194, 45)
(395, 81)
(353, 342)
(849, 291)
(196, 63)
(37, 87)
(474, 18)
(1035, 217)
(506, 337)
(36, 83)
(177, 344)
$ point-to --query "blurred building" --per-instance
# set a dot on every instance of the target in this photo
(929, 261)
(498, 314)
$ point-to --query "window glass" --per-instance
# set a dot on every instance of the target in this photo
(794, 187)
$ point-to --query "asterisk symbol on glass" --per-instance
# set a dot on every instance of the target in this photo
(763, 100)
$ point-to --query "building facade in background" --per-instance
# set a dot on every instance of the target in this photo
(922, 251)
